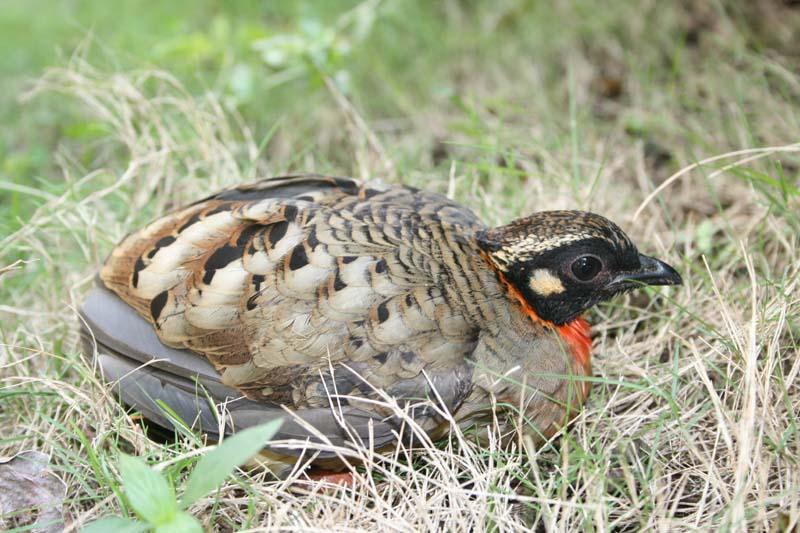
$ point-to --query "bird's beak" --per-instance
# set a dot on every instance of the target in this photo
(651, 272)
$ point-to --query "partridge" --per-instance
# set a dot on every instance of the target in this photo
(325, 296)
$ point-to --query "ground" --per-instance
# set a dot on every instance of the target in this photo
(678, 120)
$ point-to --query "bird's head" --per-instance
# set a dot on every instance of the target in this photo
(564, 262)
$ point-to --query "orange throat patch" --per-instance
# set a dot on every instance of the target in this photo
(577, 333)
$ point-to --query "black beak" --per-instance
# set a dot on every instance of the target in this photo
(651, 272)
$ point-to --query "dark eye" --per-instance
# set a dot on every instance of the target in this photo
(585, 268)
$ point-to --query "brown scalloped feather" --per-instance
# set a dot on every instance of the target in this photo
(274, 281)
(302, 288)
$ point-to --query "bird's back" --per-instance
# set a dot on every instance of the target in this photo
(280, 282)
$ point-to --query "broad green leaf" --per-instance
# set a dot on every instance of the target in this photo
(117, 524)
(148, 492)
(218, 464)
(180, 523)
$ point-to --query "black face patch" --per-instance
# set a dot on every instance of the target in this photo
(577, 295)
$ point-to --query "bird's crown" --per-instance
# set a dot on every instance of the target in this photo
(539, 233)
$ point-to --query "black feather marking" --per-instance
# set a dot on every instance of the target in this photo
(338, 284)
(409, 300)
(312, 238)
(380, 266)
(290, 188)
(247, 234)
(218, 209)
(349, 259)
(251, 302)
(346, 185)
(220, 259)
(290, 213)
(157, 305)
(277, 232)
(139, 265)
(163, 242)
(194, 218)
(298, 258)
(408, 357)
(258, 279)
(383, 312)
(358, 343)
(369, 193)
(381, 357)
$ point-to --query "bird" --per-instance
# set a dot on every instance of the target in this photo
(314, 298)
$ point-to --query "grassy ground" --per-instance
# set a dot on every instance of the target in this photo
(511, 107)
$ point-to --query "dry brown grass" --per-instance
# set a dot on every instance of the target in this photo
(692, 423)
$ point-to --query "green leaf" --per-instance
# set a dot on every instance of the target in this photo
(180, 523)
(218, 464)
(148, 492)
(117, 524)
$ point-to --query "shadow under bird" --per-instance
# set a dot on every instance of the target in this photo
(321, 294)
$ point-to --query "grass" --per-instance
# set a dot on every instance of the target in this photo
(511, 108)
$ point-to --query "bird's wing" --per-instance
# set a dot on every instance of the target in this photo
(300, 287)
(174, 387)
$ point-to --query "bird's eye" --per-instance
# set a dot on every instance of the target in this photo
(586, 267)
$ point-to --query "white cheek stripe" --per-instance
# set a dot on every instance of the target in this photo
(545, 283)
